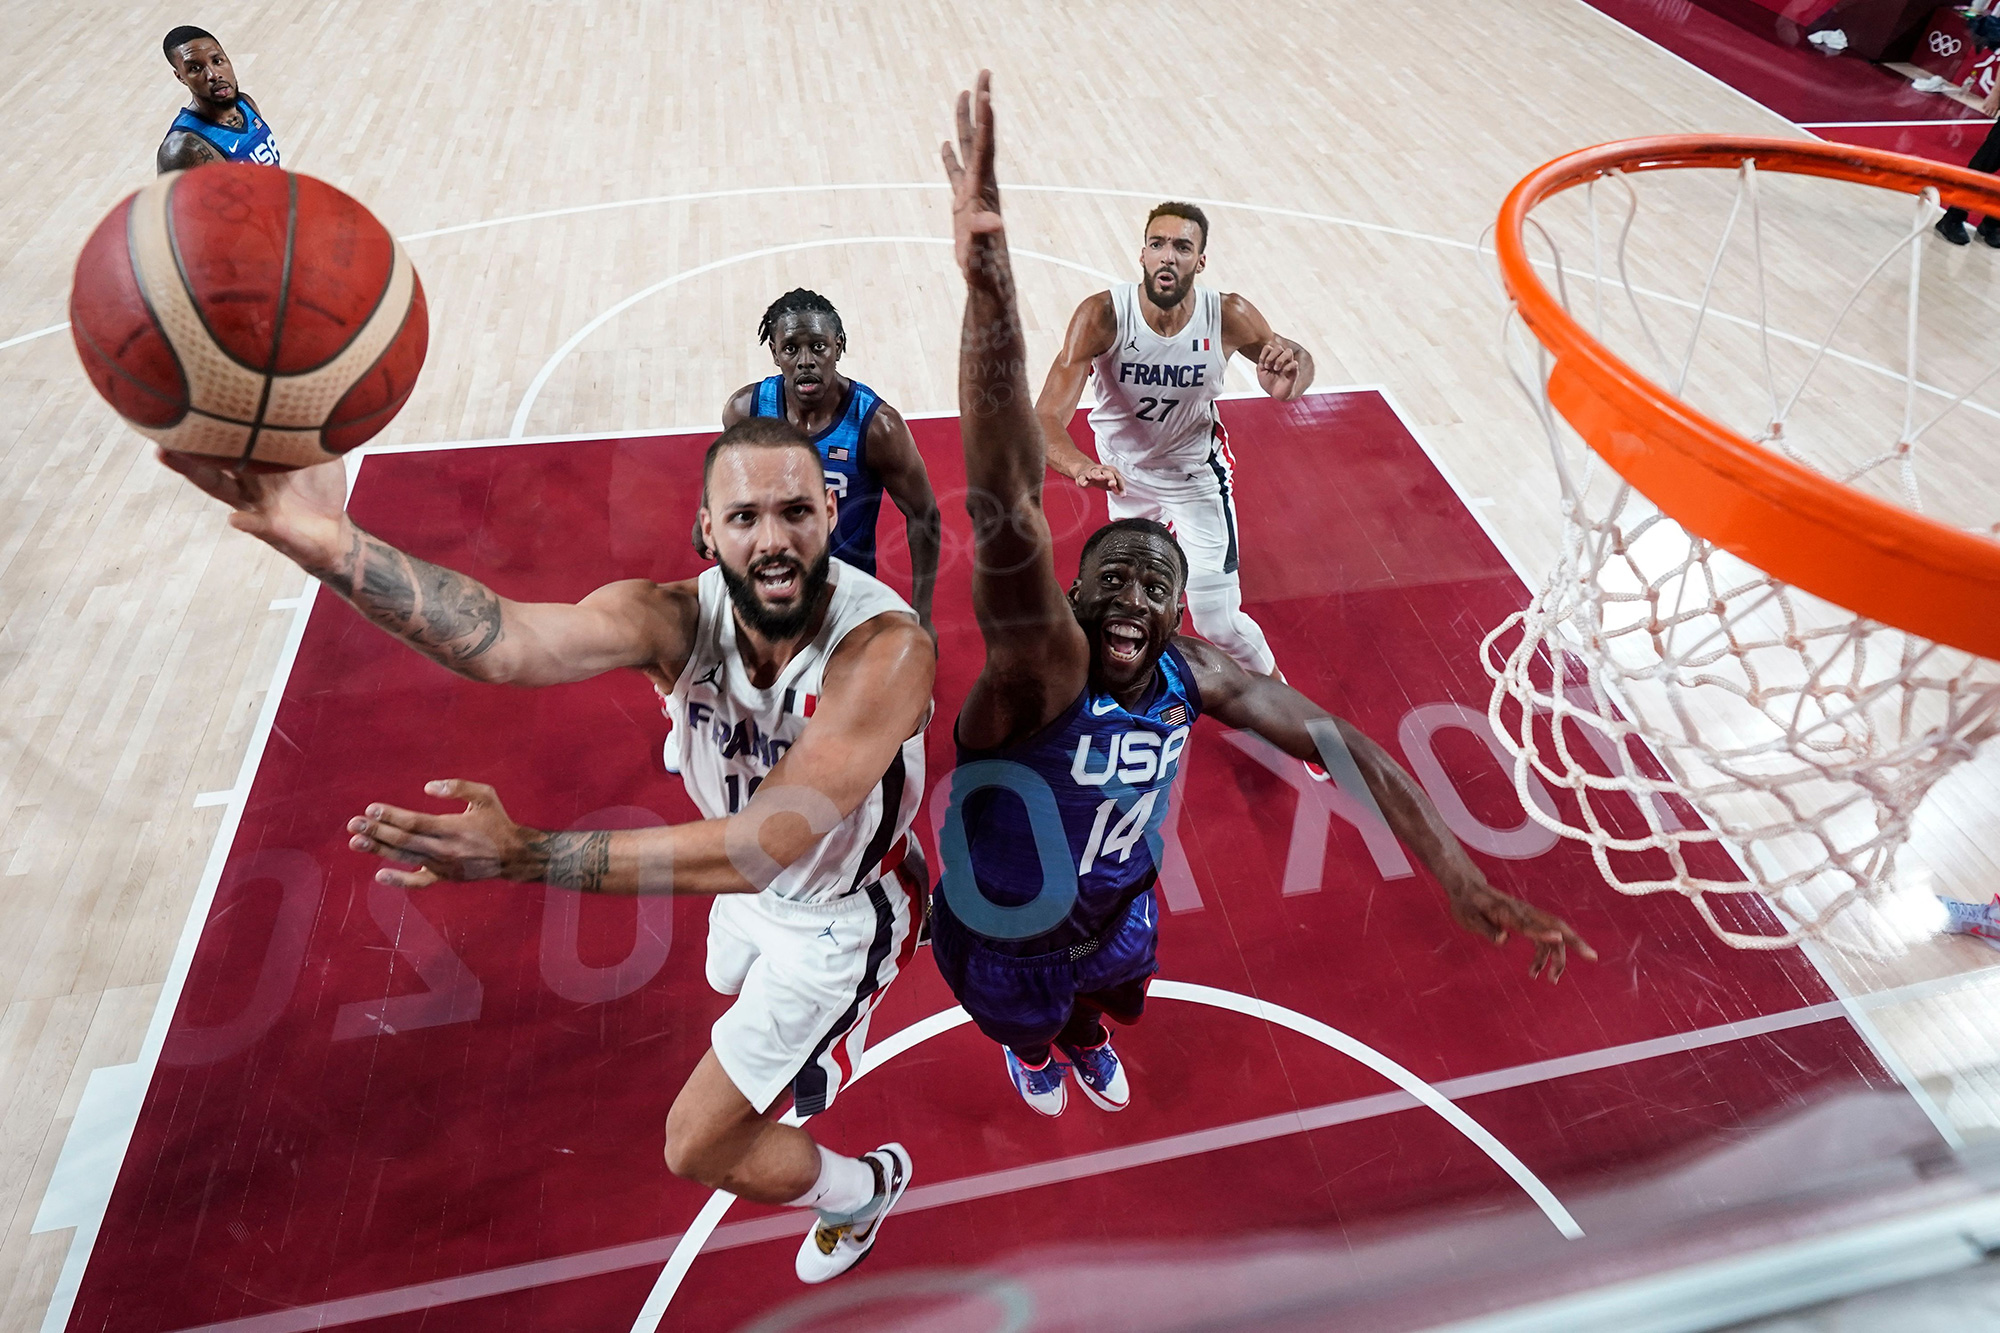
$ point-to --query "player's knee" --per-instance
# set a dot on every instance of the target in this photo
(689, 1151)
(1223, 623)
(692, 1152)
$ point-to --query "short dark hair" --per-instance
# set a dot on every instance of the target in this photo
(799, 301)
(181, 36)
(1174, 208)
(1145, 525)
(755, 433)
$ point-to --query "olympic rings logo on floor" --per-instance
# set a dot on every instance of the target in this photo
(1944, 44)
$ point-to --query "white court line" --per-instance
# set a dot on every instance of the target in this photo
(520, 425)
(1672, 54)
(618, 1258)
(1856, 1007)
(84, 1239)
(30, 337)
(1886, 124)
(696, 1237)
(1269, 210)
(70, 1280)
(714, 427)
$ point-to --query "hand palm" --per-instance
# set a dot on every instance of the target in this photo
(275, 506)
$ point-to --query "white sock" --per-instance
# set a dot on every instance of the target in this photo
(846, 1186)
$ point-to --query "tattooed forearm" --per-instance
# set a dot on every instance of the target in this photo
(571, 860)
(452, 619)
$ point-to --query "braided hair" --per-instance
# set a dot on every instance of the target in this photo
(799, 301)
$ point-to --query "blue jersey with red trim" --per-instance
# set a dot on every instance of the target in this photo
(252, 143)
(843, 452)
(1048, 841)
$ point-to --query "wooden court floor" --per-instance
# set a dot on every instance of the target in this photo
(547, 163)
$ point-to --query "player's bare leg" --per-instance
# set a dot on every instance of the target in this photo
(716, 1138)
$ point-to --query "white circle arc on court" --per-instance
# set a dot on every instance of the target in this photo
(1267, 210)
(520, 426)
(704, 1224)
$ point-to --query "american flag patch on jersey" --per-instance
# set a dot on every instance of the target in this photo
(837, 454)
(799, 704)
(1175, 716)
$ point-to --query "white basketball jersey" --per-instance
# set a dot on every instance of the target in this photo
(730, 735)
(1156, 395)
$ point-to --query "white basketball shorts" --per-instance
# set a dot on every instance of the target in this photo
(805, 977)
(1198, 506)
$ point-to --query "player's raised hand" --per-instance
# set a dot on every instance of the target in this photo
(1484, 910)
(1103, 477)
(1278, 369)
(480, 843)
(299, 512)
(975, 194)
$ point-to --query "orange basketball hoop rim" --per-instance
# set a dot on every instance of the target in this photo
(1874, 558)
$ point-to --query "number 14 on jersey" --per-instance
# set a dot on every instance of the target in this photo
(1108, 840)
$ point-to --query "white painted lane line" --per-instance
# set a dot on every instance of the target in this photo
(1415, 1088)
(30, 337)
(208, 798)
(70, 1280)
(1887, 124)
(617, 1258)
(1361, 1052)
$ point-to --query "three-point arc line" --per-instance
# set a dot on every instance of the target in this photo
(698, 1232)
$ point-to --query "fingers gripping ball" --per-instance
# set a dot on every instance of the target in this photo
(250, 314)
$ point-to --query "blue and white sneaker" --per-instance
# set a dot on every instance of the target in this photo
(1100, 1074)
(1040, 1088)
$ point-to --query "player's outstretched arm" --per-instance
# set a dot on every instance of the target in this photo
(1092, 330)
(875, 695)
(894, 457)
(1287, 719)
(1036, 655)
(451, 618)
(1284, 368)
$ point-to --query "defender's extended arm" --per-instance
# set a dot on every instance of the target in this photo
(1036, 655)
(1287, 719)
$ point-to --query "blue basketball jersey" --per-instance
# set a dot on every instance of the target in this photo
(1048, 841)
(252, 143)
(843, 452)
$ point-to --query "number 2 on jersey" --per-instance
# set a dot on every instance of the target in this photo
(1146, 405)
(1121, 839)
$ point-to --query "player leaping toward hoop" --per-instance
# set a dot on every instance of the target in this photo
(1158, 349)
(806, 685)
(1070, 740)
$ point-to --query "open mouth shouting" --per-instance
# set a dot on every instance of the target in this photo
(1124, 641)
(778, 579)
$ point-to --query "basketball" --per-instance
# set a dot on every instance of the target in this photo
(248, 313)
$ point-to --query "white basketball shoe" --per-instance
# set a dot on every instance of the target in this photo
(835, 1245)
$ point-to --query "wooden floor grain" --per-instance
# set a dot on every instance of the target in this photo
(549, 161)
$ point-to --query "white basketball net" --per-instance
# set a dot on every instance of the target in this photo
(1719, 733)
